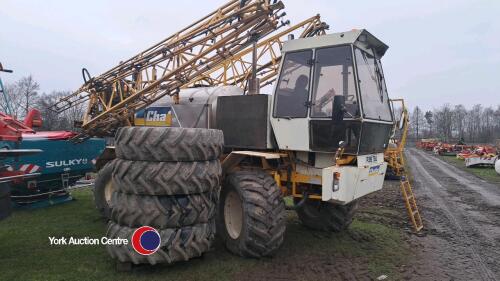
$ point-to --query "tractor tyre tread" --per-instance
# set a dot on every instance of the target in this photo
(168, 144)
(326, 216)
(166, 178)
(264, 214)
(177, 244)
(163, 211)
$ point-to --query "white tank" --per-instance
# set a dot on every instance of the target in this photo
(497, 166)
(202, 95)
(192, 103)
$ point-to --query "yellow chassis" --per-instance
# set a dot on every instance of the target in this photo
(232, 162)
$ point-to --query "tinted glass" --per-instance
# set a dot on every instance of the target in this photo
(292, 92)
(374, 137)
(325, 135)
(372, 86)
(333, 75)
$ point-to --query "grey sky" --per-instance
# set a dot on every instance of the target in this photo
(440, 51)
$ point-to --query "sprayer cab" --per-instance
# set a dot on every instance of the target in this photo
(333, 88)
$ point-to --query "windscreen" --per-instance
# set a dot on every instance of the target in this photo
(372, 87)
(333, 75)
(292, 92)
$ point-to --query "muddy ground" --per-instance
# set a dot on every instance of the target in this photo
(461, 213)
(462, 218)
(460, 241)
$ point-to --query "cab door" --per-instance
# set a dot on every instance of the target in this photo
(289, 119)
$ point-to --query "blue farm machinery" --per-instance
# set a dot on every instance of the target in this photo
(36, 167)
(60, 165)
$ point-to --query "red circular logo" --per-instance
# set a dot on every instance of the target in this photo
(146, 240)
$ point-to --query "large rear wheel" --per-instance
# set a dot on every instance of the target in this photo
(103, 190)
(326, 216)
(251, 218)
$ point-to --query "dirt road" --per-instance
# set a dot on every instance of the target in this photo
(462, 219)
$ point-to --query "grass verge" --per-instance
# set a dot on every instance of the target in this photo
(27, 255)
(486, 173)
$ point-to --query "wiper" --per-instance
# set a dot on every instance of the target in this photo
(380, 78)
(374, 78)
(377, 77)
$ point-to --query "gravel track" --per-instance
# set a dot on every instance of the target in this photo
(462, 219)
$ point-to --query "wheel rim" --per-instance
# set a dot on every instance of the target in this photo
(233, 214)
(108, 191)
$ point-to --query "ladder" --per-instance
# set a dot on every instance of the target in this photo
(411, 203)
(395, 159)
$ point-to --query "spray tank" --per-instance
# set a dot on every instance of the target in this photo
(196, 108)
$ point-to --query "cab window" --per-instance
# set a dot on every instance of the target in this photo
(334, 75)
(372, 87)
(292, 93)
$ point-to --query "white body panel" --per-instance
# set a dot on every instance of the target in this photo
(291, 134)
(322, 160)
(355, 181)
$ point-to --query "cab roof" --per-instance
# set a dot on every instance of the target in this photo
(359, 37)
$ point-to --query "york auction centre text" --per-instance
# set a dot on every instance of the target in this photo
(87, 241)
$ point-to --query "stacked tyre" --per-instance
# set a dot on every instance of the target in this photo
(167, 179)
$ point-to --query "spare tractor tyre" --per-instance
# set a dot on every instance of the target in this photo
(177, 244)
(163, 211)
(166, 178)
(319, 215)
(103, 190)
(168, 144)
(251, 214)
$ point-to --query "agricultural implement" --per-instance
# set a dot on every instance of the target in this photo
(473, 155)
(427, 144)
(37, 167)
(485, 156)
(319, 137)
(61, 164)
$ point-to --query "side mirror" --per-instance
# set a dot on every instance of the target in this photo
(338, 109)
(402, 120)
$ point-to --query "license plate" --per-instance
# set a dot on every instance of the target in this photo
(371, 158)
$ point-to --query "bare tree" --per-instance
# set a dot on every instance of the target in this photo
(459, 115)
(417, 122)
(10, 103)
(27, 87)
(429, 118)
(20, 96)
(54, 121)
(452, 123)
(443, 119)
